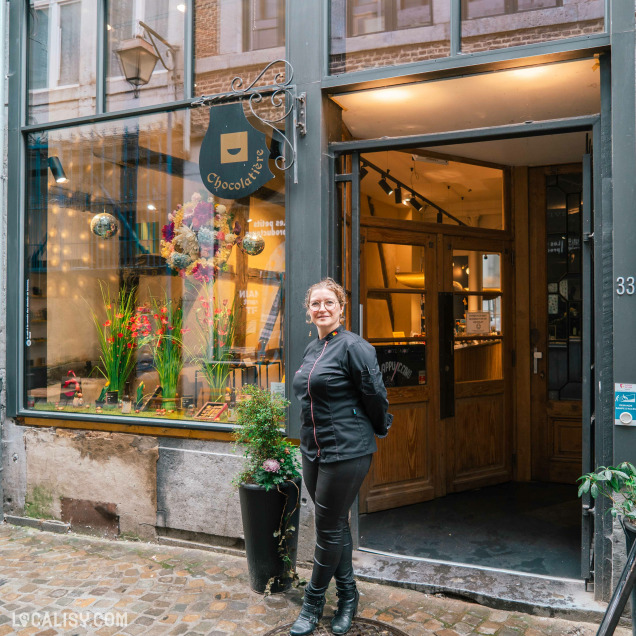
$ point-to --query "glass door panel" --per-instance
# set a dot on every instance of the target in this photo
(396, 310)
(478, 315)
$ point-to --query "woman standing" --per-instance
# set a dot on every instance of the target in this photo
(344, 406)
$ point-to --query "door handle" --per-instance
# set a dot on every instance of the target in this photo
(537, 355)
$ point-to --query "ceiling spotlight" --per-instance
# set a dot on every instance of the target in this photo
(398, 195)
(385, 186)
(56, 169)
(415, 203)
(151, 207)
(363, 173)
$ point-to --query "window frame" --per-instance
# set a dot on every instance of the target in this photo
(248, 18)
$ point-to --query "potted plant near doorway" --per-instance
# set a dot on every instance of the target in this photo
(618, 484)
(269, 490)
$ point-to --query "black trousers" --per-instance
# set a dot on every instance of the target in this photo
(333, 486)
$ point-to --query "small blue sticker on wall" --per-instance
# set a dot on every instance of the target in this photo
(624, 404)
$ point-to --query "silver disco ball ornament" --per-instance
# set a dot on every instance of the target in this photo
(104, 225)
(253, 243)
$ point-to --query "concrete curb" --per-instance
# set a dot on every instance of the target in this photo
(48, 525)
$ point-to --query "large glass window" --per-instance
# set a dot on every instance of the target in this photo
(144, 294)
(145, 52)
(61, 66)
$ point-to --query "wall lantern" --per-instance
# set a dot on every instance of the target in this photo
(138, 57)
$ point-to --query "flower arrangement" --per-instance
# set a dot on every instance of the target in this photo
(271, 458)
(198, 239)
(115, 335)
(618, 484)
(159, 324)
(216, 324)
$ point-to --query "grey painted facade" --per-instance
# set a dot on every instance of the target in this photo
(181, 489)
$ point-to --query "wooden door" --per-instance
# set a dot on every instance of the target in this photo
(478, 434)
(556, 322)
(399, 302)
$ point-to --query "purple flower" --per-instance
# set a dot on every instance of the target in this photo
(167, 231)
(271, 466)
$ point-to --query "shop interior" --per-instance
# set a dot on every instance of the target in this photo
(468, 252)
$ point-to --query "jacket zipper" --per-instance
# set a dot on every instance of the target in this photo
(311, 402)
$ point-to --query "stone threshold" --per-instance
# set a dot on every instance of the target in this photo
(500, 589)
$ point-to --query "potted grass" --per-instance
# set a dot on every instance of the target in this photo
(215, 321)
(116, 341)
(269, 491)
(159, 325)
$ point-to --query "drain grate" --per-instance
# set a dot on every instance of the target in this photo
(360, 627)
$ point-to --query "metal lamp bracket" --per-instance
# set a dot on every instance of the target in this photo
(284, 100)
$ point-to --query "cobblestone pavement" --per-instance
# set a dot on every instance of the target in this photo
(73, 584)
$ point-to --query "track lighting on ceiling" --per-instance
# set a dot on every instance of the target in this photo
(363, 172)
(57, 170)
(388, 190)
(398, 195)
(415, 204)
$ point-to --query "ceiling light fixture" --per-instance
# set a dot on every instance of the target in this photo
(385, 186)
(363, 172)
(415, 203)
(56, 169)
(398, 195)
(151, 207)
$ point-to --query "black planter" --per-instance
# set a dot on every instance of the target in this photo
(262, 512)
(112, 398)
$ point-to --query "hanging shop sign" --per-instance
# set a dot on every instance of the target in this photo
(234, 155)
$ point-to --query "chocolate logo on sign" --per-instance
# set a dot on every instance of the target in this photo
(234, 155)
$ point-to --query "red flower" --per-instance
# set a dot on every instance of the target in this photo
(120, 335)
(111, 340)
(129, 345)
(164, 310)
(107, 323)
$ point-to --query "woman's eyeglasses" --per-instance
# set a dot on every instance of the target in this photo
(329, 305)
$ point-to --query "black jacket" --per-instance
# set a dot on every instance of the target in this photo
(342, 396)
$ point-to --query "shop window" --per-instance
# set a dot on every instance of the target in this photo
(126, 20)
(263, 24)
(484, 8)
(61, 59)
(145, 296)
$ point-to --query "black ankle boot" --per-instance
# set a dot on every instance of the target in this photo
(310, 614)
(348, 597)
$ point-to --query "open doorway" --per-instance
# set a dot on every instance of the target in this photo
(443, 301)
